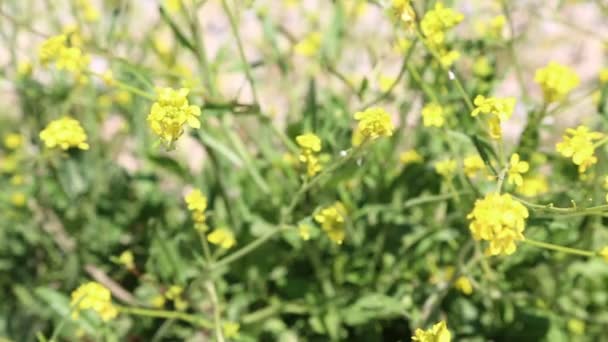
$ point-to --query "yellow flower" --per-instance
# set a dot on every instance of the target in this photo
(446, 168)
(171, 112)
(473, 164)
(222, 237)
(604, 75)
(304, 231)
(496, 25)
(576, 326)
(197, 204)
(433, 115)
(9, 164)
(437, 21)
(516, 168)
(494, 128)
(309, 145)
(579, 144)
(500, 107)
(533, 186)
(13, 141)
(402, 45)
(556, 81)
(500, 220)
(108, 78)
(332, 220)
(18, 199)
(50, 49)
(24, 68)
(463, 284)
(438, 333)
(385, 82)
(448, 57)
(410, 157)
(93, 296)
(230, 329)
(64, 133)
(482, 67)
(173, 6)
(174, 292)
(309, 142)
(310, 45)
(604, 253)
(123, 97)
(374, 122)
(402, 11)
(157, 301)
(17, 180)
(127, 259)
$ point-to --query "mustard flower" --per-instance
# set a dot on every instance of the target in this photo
(230, 329)
(533, 186)
(446, 168)
(576, 326)
(222, 237)
(13, 141)
(482, 67)
(604, 76)
(402, 11)
(410, 157)
(499, 219)
(64, 133)
(95, 297)
(438, 333)
(556, 81)
(50, 49)
(73, 60)
(448, 57)
(174, 293)
(437, 21)
(463, 284)
(332, 220)
(18, 199)
(433, 115)
(604, 253)
(473, 164)
(310, 144)
(24, 68)
(310, 45)
(374, 122)
(516, 169)
(304, 232)
(69, 58)
(579, 145)
(494, 128)
(171, 112)
(127, 259)
(500, 107)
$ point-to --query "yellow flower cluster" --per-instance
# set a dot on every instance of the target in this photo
(438, 333)
(533, 186)
(410, 157)
(433, 115)
(556, 81)
(93, 296)
(492, 29)
(473, 164)
(446, 168)
(231, 329)
(310, 45)
(402, 11)
(463, 284)
(197, 204)
(500, 220)
(174, 294)
(332, 220)
(579, 145)
(374, 122)
(434, 25)
(500, 110)
(69, 58)
(310, 145)
(127, 259)
(171, 112)
(222, 237)
(64, 133)
(89, 12)
(516, 169)
(13, 141)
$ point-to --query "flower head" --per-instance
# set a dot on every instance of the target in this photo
(402, 11)
(222, 237)
(579, 145)
(604, 253)
(310, 45)
(64, 133)
(310, 144)
(556, 81)
(446, 168)
(197, 204)
(13, 141)
(463, 284)
(433, 115)
(375, 122)
(50, 49)
(533, 186)
(410, 157)
(95, 297)
(171, 112)
(500, 220)
(500, 107)
(516, 168)
(332, 220)
(230, 329)
(473, 164)
(438, 333)
(439, 20)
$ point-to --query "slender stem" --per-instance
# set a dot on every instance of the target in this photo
(248, 248)
(235, 32)
(217, 317)
(192, 319)
(549, 207)
(559, 248)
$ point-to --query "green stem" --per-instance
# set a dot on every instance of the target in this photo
(559, 248)
(217, 317)
(192, 319)
(239, 43)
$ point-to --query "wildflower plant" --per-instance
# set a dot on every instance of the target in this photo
(347, 170)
